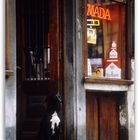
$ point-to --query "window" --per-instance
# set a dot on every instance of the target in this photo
(106, 39)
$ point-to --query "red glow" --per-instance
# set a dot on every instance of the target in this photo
(98, 12)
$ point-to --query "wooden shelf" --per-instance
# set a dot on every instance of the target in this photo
(107, 81)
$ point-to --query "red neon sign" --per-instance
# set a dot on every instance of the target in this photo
(98, 12)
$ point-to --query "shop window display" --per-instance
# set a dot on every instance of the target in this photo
(105, 39)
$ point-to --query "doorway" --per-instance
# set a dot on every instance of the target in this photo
(38, 62)
(103, 116)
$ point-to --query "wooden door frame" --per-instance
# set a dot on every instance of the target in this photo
(20, 78)
(74, 93)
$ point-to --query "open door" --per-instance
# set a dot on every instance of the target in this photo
(38, 62)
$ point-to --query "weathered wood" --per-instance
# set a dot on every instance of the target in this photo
(107, 81)
(8, 64)
(130, 46)
(75, 125)
(9, 71)
(92, 117)
(102, 117)
(109, 118)
(69, 71)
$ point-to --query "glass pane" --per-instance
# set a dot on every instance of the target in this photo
(105, 39)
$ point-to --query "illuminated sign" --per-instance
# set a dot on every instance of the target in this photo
(98, 12)
(93, 22)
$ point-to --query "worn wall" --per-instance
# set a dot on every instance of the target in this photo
(10, 83)
(131, 105)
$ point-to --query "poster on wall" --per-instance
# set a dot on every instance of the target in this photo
(91, 35)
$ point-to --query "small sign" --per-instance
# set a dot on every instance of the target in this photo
(113, 68)
(91, 36)
(93, 22)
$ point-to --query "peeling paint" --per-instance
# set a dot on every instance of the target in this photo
(123, 116)
(105, 87)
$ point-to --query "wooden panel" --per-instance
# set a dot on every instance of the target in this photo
(8, 65)
(108, 118)
(92, 117)
(102, 117)
(31, 97)
(9, 71)
(90, 79)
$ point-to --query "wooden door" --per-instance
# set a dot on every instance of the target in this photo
(102, 117)
(38, 57)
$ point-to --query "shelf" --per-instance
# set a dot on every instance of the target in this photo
(107, 81)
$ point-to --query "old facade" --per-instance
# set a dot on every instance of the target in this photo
(85, 48)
